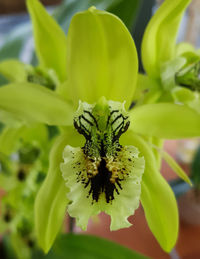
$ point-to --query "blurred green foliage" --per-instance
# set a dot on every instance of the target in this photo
(195, 170)
(127, 10)
(72, 246)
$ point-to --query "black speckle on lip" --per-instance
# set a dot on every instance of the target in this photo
(101, 183)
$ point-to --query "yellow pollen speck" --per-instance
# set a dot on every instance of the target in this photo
(113, 167)
(92, 167)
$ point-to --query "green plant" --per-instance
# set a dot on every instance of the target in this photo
(105, 153)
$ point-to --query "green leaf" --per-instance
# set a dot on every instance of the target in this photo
(126, 11)
(159, 39)
(12, 46)
(195, 175)
(157, 198)
(13, 70)
(34, 103)
(51, 200)
(105, 63)
(50, 40)
(165, 120)
(88, 247)
(6, 243)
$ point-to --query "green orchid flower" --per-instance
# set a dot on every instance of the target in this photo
(172, 69)
(100, 161)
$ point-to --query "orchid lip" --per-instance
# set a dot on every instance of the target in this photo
(103, 174)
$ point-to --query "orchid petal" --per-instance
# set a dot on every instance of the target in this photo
(50, 40)
(165, 120)
(184, 47)
(34, 103)
(187, 97)
(159, 39)
(157, 198)
(51, 200)
(13, 70)
(102, 58)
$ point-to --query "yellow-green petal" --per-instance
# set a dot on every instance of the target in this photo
(159, 39)
(102, 58)
(165, 120)
(13, 70)
(50, 40)
(148, 90)
(51, 200)
(157, 198)
(187, 97)
(184, 47)
(34, 103)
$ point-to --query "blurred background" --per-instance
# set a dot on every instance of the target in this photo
(16, 41)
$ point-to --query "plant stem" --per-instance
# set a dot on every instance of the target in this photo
(71, 224)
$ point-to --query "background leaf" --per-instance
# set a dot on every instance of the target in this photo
(72, 246)
(125, 10)
(195, 174)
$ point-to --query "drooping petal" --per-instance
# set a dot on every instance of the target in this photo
(83, 187)
(165, 120)
(50, 40)
(51, 201)
(102, 59)
(33, 103)
(13, 70)
(157, 198)
(159, 39)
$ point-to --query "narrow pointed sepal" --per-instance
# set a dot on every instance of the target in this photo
(51, 200)
(50, 40)
(158, 199)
